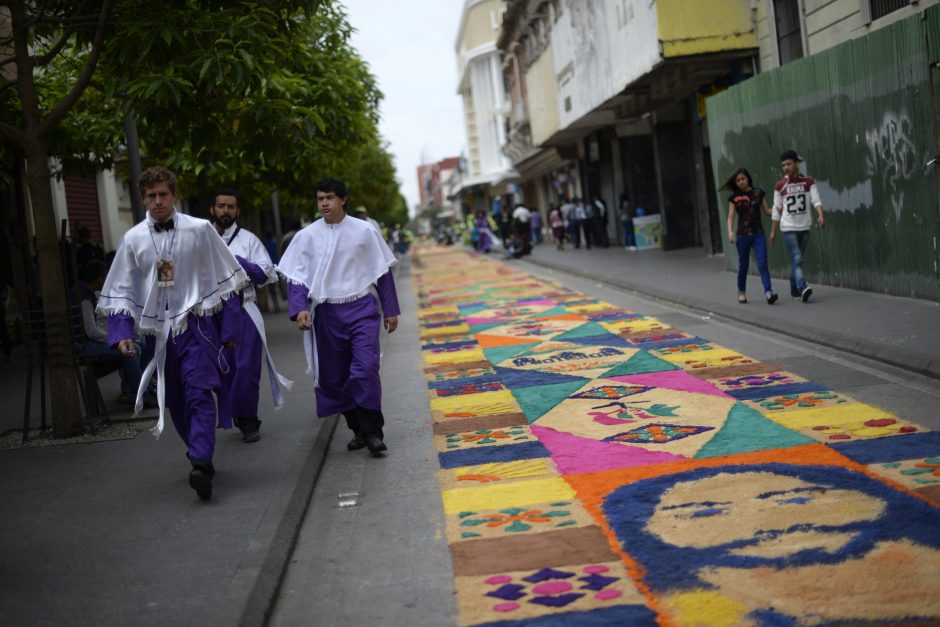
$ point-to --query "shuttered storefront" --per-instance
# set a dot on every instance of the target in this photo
(81, 198)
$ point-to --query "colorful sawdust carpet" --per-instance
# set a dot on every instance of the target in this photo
(601, 467)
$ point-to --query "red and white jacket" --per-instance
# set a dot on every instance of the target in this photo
(792, 201)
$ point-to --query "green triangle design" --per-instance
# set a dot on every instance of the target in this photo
(498, 354)
(640, 363)
(554, 311)
(589, 329)
(480, 328)
(469, 310)
(746, 430)
(538, 401)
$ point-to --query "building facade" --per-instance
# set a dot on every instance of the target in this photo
(605, 102)
(489, 174)
(793, 29)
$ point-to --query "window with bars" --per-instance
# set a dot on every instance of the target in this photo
(789, 34)
(880, 8)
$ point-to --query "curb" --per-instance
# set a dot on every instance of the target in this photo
(897, 357)
(252, 592)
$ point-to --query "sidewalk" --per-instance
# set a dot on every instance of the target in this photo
(110, 533)
(901, 332)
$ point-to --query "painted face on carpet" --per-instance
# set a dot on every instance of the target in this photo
(705, 536)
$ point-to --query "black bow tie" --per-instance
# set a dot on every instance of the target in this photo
(163, 226)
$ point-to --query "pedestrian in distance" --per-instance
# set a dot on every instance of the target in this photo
(600, 222)
(536, 227)
(587, 214)
(331, 267)
(794, 195)
(522, 229)
(557, 222)
(626, 223)
(746, 203)
(363, 214)
(239, 399)
(176, 282)
(574, 215)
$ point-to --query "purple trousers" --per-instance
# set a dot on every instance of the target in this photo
(239, 397)
(192, 375)
(347, 344)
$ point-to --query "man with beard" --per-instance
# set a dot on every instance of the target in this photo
(176, 282)
(239, 399)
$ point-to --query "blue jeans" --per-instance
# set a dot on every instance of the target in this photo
(629, 238)
(796, 245)
(745, 243)
(130, 364)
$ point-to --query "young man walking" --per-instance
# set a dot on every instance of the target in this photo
(794, 194)
(331, 267)
(175, 281)
(239, 401)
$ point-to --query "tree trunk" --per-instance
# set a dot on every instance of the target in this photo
(63, 382)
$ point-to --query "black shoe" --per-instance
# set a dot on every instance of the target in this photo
(251, 434)
(249, 427)
(806, 294)
(375, 443)
(358, 442)
(201, 482)
(772, 298)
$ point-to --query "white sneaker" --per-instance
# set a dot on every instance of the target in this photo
(631, 247)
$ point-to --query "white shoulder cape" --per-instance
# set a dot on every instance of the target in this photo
(248, 246)
(205, 274)
(336, 262)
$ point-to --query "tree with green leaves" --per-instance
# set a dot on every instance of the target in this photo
(261, 96)
(33, 36)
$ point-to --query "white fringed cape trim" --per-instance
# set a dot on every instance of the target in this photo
(197, 310)
(340, 300)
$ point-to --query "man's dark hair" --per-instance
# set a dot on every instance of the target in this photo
(155, 175)
(224, 191)
(84, 233)
(93, 270)
(331, 185)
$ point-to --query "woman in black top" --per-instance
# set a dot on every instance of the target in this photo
(747, 202)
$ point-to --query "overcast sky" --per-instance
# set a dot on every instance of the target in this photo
(409, 45)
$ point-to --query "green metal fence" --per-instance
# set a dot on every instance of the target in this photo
(864, 116)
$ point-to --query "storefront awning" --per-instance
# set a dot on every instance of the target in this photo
(544, 161)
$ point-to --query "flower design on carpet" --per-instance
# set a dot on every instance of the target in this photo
(625, 414)
(469, 388)
(913, 473)
(516, 519)
(876, 428)
(612, 391)
(462, 373)
(682, 348)
(570, 588)
(800, 401)
(659, 433)
(488, 436)
(757, 380)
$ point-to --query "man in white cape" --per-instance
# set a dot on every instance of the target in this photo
(174, 281)
(331, 267)
(239, 400)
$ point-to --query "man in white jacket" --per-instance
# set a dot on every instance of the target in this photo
(794, 194)
(239, 398)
